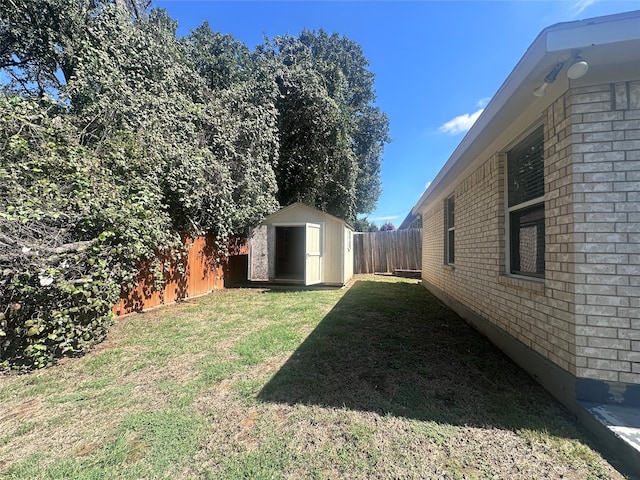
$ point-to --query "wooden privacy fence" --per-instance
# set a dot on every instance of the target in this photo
(390, 251)
(200, 273)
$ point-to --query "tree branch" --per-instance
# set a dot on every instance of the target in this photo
(34, 250)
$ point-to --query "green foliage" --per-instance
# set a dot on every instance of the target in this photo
(361, 224)
(211, 146)
(331, 136)
(73, 232)
(364, 225)
(221, 60)
(316, 166)
(29, 36)
(242, 123)
(42, 41)
(115, 136)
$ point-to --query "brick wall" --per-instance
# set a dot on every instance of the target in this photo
(606, 132)
(585, 316)
(519, 307)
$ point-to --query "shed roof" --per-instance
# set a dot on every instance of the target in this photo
(609, 43)
(300, 205)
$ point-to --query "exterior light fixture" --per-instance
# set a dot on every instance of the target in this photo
(548, 80)
(578, 66)
(540, 91)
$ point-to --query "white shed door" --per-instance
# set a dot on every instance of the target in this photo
(312, 271)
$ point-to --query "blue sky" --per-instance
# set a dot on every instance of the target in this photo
(436, 63)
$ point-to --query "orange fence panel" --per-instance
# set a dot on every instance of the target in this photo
(200, 274)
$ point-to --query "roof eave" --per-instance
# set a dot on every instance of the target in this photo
(539, 58)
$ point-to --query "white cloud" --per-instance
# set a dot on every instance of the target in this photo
(581, 5)
(483, 102)
(384, 218)
(461, 123)
(427, 185)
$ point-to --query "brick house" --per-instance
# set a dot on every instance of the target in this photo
(531, 230)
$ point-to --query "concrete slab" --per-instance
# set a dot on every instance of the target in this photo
(622, 423)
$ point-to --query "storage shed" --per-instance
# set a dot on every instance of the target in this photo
(301, 245)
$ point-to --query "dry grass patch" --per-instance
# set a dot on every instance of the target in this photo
(375, 381)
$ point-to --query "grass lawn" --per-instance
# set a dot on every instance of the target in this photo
(373, 381)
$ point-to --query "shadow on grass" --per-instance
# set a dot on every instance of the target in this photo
(393, 348)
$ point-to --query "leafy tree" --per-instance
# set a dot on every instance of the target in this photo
(72, 232)
(31, 39)
(132, 76)
(387, 227)
(361, 224)
(115, 136)
(137, 148)
(364, 225)
(212, 145)
(41, 40)
(369, 137)
(220, 59)
(345, 70)
(331, 136)
(315, 165)
(245, 129)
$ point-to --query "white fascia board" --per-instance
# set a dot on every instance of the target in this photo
(596, 31)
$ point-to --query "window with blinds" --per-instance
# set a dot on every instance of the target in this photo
(449, 231)
(525, 199)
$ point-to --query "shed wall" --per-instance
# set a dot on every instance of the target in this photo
(334, 258)
(260, 267)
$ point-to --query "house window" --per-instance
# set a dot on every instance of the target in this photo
(525, 189)
(449, 231)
